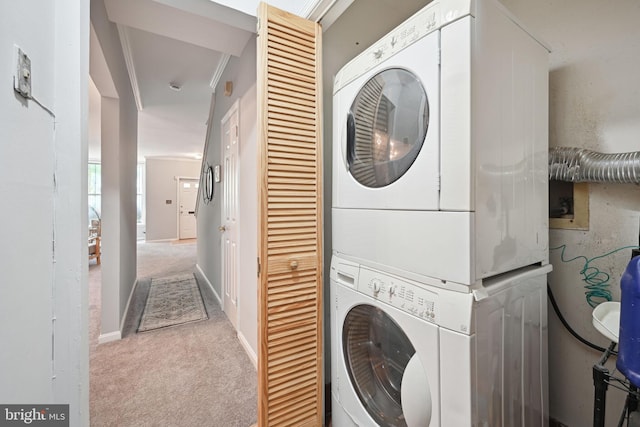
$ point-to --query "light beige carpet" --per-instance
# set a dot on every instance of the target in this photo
(172, 300)
(192, 375)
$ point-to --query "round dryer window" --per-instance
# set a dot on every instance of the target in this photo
(377, 352)
(386, 127)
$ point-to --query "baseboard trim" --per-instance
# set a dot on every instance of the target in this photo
(111, 336)
(160, 240)
(247, 348)
(126, 308)
(204, 277)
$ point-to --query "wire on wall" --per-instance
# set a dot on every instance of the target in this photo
(42, 106)
(568, 327)
(596, 281)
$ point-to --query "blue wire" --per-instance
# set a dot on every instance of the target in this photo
(596, 281)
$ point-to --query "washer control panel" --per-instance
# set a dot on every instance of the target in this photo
(409, 297)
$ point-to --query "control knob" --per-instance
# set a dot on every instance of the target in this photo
(376, 285)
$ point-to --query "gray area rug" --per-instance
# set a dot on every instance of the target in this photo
(173, 300)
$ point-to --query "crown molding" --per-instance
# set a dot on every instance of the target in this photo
(128, 59)
(222, 64)
(326, 12)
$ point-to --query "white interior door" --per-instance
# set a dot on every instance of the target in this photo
(229, 227)
(187, 193)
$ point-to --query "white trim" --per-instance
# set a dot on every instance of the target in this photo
(128, 59)
(222, 64)
(326, 11)
(159, 240)
(173, 158)
(111, 336)
(247, 348)
(126, 309)
(234, 109)
(311, 6)
(204, 277)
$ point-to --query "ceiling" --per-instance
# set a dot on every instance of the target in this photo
(175, 51)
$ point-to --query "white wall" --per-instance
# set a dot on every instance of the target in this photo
(119, 117)
(161, 218)
(43, 188)
(70, 290)
(94, 122)
(248, 223)
(594, 92)
(242, 72)
(26, 167)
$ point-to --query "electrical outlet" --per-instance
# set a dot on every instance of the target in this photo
(22, 76)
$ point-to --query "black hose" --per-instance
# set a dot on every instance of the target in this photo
(567, 326)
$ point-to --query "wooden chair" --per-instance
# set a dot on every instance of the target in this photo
(94, 240)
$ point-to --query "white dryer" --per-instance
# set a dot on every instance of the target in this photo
(440, 147)
(409, 355)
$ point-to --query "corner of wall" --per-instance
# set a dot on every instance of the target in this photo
(111, 336)
(201, 275)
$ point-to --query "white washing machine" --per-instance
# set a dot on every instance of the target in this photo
(408, 355)
(441, 135)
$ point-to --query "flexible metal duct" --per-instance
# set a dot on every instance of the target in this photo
(581, 165)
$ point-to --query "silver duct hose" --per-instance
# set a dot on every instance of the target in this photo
(581, 165)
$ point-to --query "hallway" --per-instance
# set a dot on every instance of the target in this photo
(189, 375)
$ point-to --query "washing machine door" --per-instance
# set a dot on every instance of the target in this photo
(386, 127)
(384, 369)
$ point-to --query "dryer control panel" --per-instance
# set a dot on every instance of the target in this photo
(422, 23)
(409, 297)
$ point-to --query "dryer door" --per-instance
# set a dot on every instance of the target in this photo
(386, 123)
(377, 352)
(386, 127)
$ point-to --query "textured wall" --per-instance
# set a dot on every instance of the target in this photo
(43, 258)
(593, 103)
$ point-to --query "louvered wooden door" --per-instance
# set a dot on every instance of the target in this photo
(290, 363)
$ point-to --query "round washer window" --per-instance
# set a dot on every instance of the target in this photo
(376, 353)
(386, 127)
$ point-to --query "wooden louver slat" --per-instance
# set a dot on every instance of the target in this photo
(290, 380)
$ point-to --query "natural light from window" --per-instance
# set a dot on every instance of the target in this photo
(95, 192)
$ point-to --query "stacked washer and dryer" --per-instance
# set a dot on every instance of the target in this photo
(440, 224)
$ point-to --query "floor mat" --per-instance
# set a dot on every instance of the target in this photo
(173, 300)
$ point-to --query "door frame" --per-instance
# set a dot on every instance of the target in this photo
(178, 179)
(233, 109)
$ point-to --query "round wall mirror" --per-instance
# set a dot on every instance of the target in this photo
(208, 184)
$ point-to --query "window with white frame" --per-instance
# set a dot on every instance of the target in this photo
(95, 192)
(140, 194)
(95, 189)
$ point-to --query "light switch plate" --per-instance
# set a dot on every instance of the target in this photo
(22, 76)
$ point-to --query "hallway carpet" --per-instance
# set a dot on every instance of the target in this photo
(188, 375)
